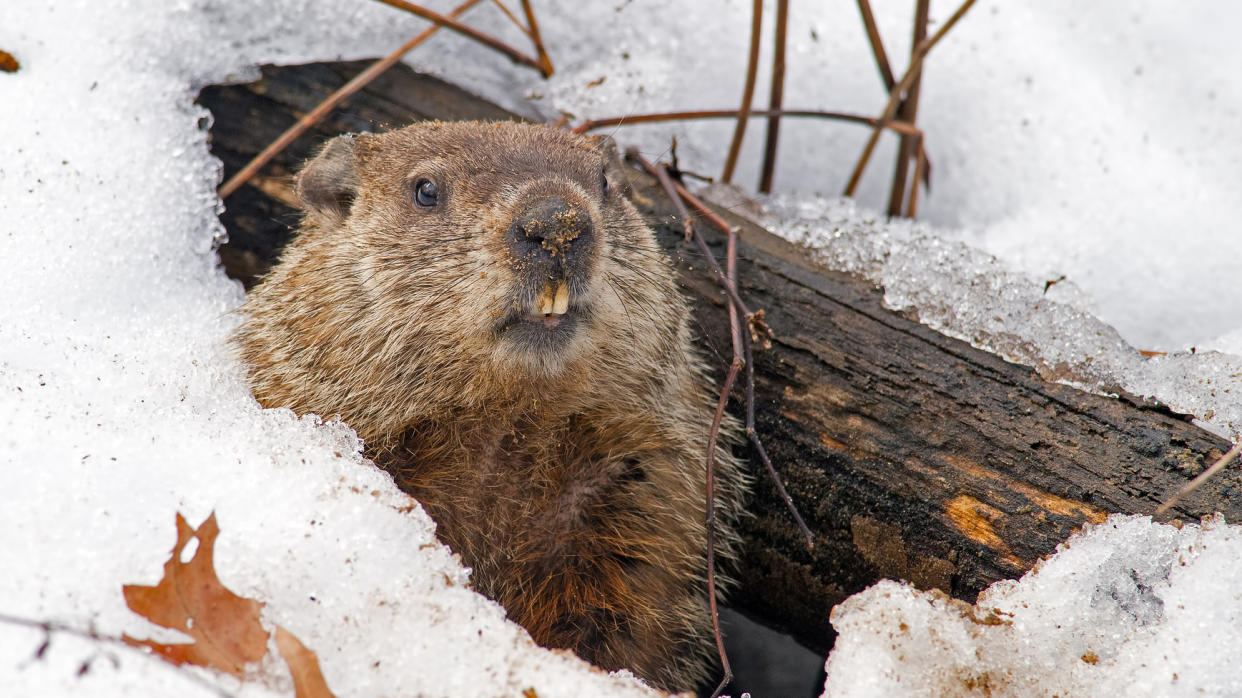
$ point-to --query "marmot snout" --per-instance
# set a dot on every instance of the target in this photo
(486, 308)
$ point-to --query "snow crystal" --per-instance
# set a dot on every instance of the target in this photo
(1127, 607)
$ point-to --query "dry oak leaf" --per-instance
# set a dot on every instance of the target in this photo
(8, 63)
(190, 598)
(308, 681)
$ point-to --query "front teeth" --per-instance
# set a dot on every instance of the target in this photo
(553, 299)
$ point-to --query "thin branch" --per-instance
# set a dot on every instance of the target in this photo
(48, 627)
(677, 192)
(512, 17)
(724, 227)
(1201, 478)
(894, 97)
(734, 367)
(670, 188)
(545, 63)
(748, 91)
(469, 32)
(908, 112)
(775, 98)
(735, 331)
(920, 170)
(757, 329)
(319, 112)
(592, 124)
(877, 45)
(753, 436)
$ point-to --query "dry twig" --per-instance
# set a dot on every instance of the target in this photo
(916, 63)
(592, 124)
(512, 17)
(920, 171)
(541, 55)
(877, 46)
(1201, 478)
(886, 74)
(748, 91)
(775, 98)
(907, 112)
(50, 627)
(755, 329)
(471, 33)
(727, 388)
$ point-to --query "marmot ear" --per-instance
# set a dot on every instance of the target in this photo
(328, 183)
(606, 146)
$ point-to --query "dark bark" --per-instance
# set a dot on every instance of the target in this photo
(911, 455)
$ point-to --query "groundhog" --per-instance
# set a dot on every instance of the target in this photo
(483, 304)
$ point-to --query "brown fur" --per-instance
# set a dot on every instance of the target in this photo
(570, 479)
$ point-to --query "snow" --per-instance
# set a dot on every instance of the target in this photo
(1125, 608)
(122, 404)
(1090, 142)
(965, 292)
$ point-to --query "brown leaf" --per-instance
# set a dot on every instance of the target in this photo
(190, 598)
(8, 63)
(308, 681)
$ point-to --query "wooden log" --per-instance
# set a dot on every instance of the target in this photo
(912, 455)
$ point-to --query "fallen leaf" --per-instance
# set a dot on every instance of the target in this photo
(8, 63)
(308, 681)
(190, 598)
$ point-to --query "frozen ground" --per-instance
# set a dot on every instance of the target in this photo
(1090, 142)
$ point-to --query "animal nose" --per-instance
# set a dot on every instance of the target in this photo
(551, 231)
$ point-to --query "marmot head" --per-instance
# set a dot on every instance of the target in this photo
(474, 256)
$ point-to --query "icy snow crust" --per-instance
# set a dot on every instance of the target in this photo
(1093, 142)
(122, 406)
(1127, 608)
(970, 294)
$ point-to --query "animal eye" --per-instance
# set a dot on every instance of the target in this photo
(426, 194)
(603, 182)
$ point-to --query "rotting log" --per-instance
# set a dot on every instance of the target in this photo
(912, 455)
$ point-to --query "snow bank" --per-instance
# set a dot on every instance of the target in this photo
(1126, 608)
(122, 406)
